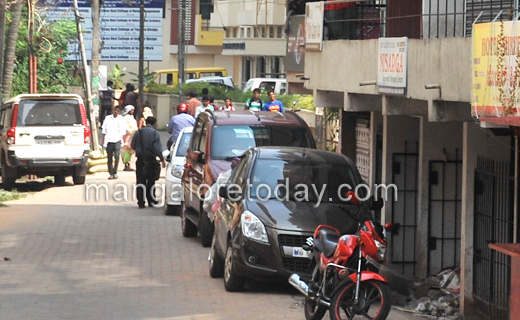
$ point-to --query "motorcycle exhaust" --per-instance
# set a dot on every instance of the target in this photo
(301, 286)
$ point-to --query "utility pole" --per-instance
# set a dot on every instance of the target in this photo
(96, 30)
(181, 19)
(33, 60)
(93, 125)
(141, 57)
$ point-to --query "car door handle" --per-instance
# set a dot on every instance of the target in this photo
(25, 134)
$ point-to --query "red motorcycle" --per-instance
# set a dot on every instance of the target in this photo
(344, 281)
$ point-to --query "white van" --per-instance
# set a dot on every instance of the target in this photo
(44, 135)
(278, 85)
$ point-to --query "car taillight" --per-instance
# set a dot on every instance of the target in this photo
(11, 133)
(86, 135)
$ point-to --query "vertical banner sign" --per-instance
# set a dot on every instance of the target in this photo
(392, 75)
(119, 27)
(295, 57)
(495, 69)
(314, 26)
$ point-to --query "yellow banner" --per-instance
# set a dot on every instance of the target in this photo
(495, 69)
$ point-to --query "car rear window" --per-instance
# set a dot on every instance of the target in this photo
(183, 144)
(281, 176)
(33, 112)
(230, 141)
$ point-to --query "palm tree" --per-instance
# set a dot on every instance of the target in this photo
(10, 47)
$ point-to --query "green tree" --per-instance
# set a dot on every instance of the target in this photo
(51, 40)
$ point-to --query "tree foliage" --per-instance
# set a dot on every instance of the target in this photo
(50, 43)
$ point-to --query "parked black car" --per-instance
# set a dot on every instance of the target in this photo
(260, 233)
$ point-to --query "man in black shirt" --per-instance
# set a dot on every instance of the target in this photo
(147, 145)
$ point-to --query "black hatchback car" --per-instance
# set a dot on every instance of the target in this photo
(274, 199)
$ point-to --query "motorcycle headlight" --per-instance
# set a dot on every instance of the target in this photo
(253, 228)
(381, 250)
(177, 171)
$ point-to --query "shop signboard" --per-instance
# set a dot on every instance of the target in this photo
(495, 70)
(392, 73)
(314, 25)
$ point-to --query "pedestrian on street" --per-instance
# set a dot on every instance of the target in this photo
(254, 103)
(273, 105)
(228, 105)
(204, 106)
(147, 146)
(114, 128)
(178, 122)
(132, 98)
(193, 103)
(147, 112)
(107, 104)
(131, 128)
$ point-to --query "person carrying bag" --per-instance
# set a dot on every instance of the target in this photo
(147, 145)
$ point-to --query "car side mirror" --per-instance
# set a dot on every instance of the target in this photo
(166, 155)
(230, 191)
(197, 156)
(376, 202)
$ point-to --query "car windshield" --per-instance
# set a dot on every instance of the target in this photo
(301, 181)
(230, 141)
(183, 144)
(34, 112)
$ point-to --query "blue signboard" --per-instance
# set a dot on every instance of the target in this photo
(119, 27)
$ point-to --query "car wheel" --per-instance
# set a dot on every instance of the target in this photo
(207, 229)
(232, 281)
(216, 263)
(59, 179)
(8, 180)
(170, 210)
(189, 230)
(79, 179)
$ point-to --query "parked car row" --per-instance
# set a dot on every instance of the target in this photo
(280, 188)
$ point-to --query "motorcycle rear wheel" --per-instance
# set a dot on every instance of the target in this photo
(374, 301)
(314, 310)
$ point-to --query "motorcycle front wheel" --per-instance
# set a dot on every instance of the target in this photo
(373, 302)
(314, 310)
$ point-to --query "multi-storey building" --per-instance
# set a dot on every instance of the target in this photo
(454, 171)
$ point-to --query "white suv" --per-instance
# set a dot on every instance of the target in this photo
(44, 135)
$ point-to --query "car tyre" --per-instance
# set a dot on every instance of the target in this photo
(8, 179)
(170, 210)
(232, 281)
(189, 229)
(79, 180)
(216, 263)
(207, 228)
(59, 179)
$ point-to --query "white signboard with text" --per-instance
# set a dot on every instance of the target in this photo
(314, 26)
(392, 76)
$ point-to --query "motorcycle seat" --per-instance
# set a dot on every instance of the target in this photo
(327, 241)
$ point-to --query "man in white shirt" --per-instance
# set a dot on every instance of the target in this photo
(204, 106)
(114, 128)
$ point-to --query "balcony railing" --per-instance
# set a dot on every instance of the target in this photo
(370, 19)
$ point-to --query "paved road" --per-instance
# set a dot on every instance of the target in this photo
(63, 257)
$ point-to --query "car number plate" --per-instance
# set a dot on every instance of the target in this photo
(299, 252)
(48, 141)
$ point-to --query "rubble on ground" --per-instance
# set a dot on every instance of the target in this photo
(436, 297)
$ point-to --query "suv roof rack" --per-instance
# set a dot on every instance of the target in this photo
(255, 113)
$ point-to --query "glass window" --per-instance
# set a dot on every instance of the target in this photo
(279, 32)
(230, 141)
(48, 113)
(280, 177)
(271, 32)
(183, 144)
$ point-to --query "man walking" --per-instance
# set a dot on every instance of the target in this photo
(193, 103)
(273, 105)
(254, 103)
(147, 146)
(178, 122)
(107, 97)
(114, 128)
